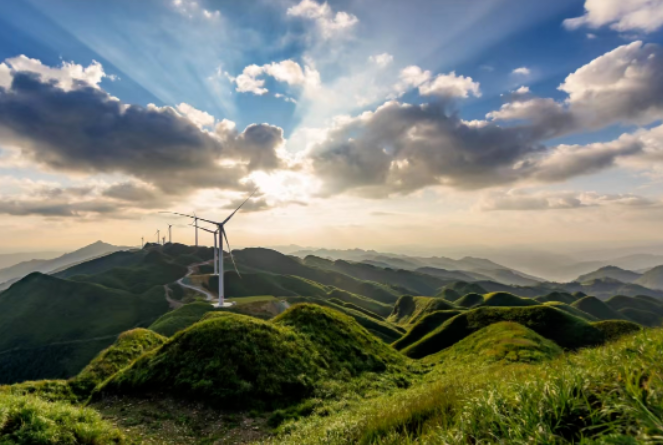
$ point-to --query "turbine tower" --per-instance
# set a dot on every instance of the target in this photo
(222, 235)
(170, 233)
(158, 233)
(195, 223)
(214, 232)
(142, 242)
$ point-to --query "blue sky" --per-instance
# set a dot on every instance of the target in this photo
(317, 67)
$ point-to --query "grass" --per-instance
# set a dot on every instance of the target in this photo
(501, 299)
(615, 329)
(129, 346)
(423, 327)
(610, 395)
(30, 420)
(409, 310)
(470, 300)
(597, 308)
(567, 331)
(462, 288)
(571, 310)
(504, 341)
(181, 318)
(561, 297)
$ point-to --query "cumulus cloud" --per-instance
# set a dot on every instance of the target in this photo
(621, 15)
(381, 60)
(524, 200)
(71, 126)
(328, 23)
(287, 71)
(198, 117)
(625, 84)
(192, 8)
(400, 148)
(443, 85)
(67, 76)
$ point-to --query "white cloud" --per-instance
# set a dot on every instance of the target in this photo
(192, 8)
(621, 15)
(591, 36)
(522, 71)
(381, 60)
(450, 85)
(328, 23)
(624, 84)
(66, 76)
(287, 71)
(524, 200)
(198, 117)
(285, 98)
(447, 85)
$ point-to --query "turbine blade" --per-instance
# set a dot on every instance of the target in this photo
(195, 217)
(240, 206)
(230, 252)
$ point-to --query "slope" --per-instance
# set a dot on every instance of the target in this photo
(652, 279)
(616, 273)
(597, 308)
(409, 310)
(567, 331)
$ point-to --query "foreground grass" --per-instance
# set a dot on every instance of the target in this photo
(34, 421)
(611, 394)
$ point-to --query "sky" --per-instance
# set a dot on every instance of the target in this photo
(435, 125)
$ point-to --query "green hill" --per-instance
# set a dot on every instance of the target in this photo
(423, 327)
(129, 346)
(562, 297)
(238, 361)
(462, 288)
(571, 310)
(273, 262)
(419, 283)
(645, 318)
(567, 331)
(409, 310)
(448, 294)
(503, 341)
(382, 329)
(470, 300)
(506, 299)
(615, 329)
(645, 304)
(58, 326)
(597, 308)
(183, 317)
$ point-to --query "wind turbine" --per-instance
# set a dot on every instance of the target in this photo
(170, 233)
(214, 232)
(195, 223)
(222, 235)
(158, 233)
(142, 242)
(163, 241)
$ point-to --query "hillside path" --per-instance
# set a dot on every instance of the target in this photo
(205, 292)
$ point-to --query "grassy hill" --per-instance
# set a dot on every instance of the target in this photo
(129, 346)
(461, 288)
(469, 300)
(567, 331)
(423, 327)
(59, 323)
(506, 299)
(238, 361)
(503, 341)
(597, 308)
(561, 297)
(409, 310)
(571, 310)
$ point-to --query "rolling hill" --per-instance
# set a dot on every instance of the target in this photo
(652, 279)
(616, 273)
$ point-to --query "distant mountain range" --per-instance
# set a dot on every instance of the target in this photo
(467, 268)
(651, 278)
(15, 272)
(10, 259)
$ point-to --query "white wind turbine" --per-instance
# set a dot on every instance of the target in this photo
(170, 233)
(222, 235)
(158, 233)
(216, 252)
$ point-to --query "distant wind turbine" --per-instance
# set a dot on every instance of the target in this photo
(142, 242)
(163, 241)
(222, 235)
(170, 233)
(158, 233)
(195, 223)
